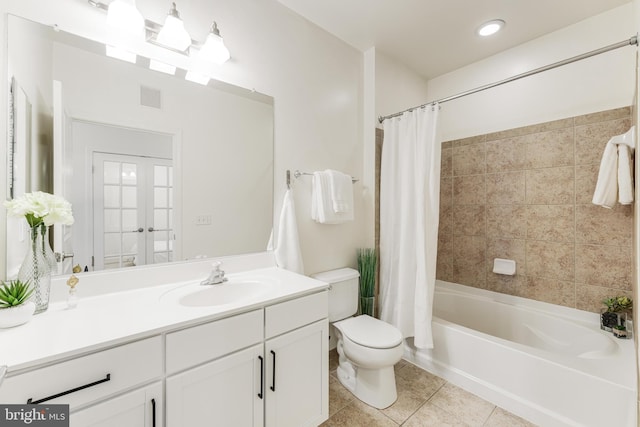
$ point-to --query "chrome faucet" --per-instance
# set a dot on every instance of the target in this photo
(216, 277)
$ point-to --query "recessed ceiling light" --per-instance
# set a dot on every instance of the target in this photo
(491, 27)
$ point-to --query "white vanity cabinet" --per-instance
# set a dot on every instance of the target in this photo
(263, 368)
(139, 408)
(103, 388)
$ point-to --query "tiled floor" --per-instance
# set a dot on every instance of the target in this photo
(423, 400)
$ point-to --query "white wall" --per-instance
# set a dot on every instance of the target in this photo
(595, 84)
(314, 78)
(397, 87)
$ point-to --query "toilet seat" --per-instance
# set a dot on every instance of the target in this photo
(370, 332)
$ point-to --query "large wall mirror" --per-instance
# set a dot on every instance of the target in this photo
(157, 168)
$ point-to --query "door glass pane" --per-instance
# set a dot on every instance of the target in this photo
(129, 174)
(129, 219)
(111, 262)
(129, 197)
(129, 243)
(111, 220)
(161, 257)
(111, 196)
(170, 197)
(160, 219)
(160, 176)
(111, 174)
(160, 241)
(111, 244)
(160, 198)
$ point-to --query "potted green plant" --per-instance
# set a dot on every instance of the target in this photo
(367, 261)
(615, 313)
(619, 331)
(15, 306)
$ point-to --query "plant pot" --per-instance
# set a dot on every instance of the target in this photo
(18, 315)
(608, 319)
(619, 333)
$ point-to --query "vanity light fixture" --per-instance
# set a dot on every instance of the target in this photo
(123, 15)
(214, 49)
(173, 34)
(490, 27)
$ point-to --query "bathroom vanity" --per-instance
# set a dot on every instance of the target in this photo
(250, 352)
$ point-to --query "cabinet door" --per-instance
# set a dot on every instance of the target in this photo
(297, 377)
(226, 392)
(139, 408)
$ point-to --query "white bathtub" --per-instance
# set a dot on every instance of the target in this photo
(549, 364)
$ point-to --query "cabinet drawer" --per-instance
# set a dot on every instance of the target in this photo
(289, 315)
(202, 343)
(126, 366)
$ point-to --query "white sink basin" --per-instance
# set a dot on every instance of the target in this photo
(235, 291)
(225, 293)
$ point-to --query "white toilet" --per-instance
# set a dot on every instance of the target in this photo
(368, 348)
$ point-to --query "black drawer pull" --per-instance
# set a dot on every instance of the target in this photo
(273, 377)
(261, 377)
(153, 413)
(73, 390)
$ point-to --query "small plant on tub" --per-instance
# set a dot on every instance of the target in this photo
(614, 316)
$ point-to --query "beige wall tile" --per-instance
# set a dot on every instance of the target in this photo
(550, 259)
(507, 221)
(605, 266)
(469, 159)
(602, 116)
(447, 144)
(469, 190)
(469, 260)
(550, 290)
(549, 149)
(506, 154)
(526, 130)
(510, 285)
(445, 225)
(446, 191)
(506, 188)
(591, 139)
(586, 178)
(468, 141)
(550, 186)
(552, 223)
(446, 168)
(469, 220)
(590, 298)
(598, 225)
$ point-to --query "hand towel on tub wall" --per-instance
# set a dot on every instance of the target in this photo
(287, 250)
(332, 198)
(615, 177)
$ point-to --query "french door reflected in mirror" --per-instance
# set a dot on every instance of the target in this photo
(132, 210)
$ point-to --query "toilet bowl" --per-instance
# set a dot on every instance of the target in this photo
(368, 348)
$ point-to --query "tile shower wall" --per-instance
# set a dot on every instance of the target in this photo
(525, 194)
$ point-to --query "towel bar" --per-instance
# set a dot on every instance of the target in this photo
(298, 174)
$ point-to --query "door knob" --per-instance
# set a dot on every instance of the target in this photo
(150, 229)
(140, 230)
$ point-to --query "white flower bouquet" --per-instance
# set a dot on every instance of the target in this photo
(41, 208)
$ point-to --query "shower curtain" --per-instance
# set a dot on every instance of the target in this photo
(409, 214)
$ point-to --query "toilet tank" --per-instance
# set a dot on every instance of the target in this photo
(343, 293)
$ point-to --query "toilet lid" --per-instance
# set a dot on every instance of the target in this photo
(371, 332)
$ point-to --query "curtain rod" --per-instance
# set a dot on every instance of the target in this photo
(633, 41)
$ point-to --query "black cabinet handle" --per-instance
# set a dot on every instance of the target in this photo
(273, 377)
(261, 376)
(73, 390)
(153, 413)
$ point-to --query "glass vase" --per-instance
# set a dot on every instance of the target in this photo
(36, 271)
(47, 252)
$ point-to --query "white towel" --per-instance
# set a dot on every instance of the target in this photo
(615, 178)
(322, 210)
(341, 191)
(287, 245)
(606, 191)
(625, 175)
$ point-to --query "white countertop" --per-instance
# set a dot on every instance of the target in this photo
(106, 320)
